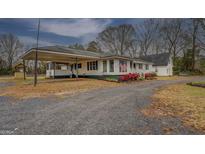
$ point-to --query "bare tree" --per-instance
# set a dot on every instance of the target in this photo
(173, 35)
(133, 49)
(201, 38)
(93, 46)
(117, 39)
(193, 28)
(146, 34)
(10, 45)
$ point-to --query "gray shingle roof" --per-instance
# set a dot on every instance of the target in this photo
(158, 59)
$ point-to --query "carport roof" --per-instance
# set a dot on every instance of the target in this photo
(61, 54)
(62, 49)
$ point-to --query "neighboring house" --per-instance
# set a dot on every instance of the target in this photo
(63, 61)
(162, 63)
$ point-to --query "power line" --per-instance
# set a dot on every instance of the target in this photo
(36, 55)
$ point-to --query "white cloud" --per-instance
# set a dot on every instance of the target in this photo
(74, 27)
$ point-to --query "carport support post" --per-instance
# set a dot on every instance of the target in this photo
(76, 67)
(24, 70)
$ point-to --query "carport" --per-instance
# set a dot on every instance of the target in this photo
(58, 54)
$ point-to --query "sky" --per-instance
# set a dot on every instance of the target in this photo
(59, 31)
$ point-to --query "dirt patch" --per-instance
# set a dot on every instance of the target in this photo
(183, 101)
(58, 88)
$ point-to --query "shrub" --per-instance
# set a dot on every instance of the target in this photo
(130, 76)
(6, 71)
(150, 76)
(124, 78)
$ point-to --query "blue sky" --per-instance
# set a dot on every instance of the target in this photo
(59, 31)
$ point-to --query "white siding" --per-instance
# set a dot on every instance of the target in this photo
(50, 73)
(83, 70)
(165, 70)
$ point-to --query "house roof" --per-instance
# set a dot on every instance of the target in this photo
(61, 53)
(158, 59)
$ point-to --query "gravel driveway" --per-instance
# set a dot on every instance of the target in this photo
(104, 111)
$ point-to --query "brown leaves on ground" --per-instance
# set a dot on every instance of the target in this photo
(182, 101)
(168, 130)
(174, 77)
(58, 87)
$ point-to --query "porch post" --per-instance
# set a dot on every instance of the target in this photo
(24, 70)
(54, 70)
(76, 67)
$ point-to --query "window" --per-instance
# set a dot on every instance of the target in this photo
(140, 66)
(96, 65)
(134, 65)
(79, 65)
(88, 66)
(93, 65)
(111, 65)
(74, 66)
(58, 67)
(47, 66)
(147, 67)
(123, 66)
(130, 64)
(104, 65)
(51, 66)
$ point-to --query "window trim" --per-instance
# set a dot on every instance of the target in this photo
(147, 66)
(104, 65)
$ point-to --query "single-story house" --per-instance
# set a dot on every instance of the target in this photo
(162, 63)
(63, 61)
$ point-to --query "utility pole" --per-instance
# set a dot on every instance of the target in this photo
(36, 55)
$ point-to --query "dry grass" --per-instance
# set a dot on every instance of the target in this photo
(29, 80)
(182, 101)
(58, 88)
(174, 77)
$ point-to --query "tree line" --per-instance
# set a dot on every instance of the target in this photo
(184, 39)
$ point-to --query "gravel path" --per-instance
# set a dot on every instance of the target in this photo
(106, 111)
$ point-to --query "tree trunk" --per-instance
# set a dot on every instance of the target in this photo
(195, 24)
